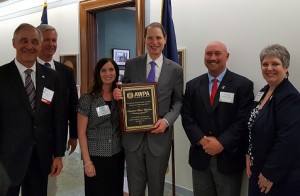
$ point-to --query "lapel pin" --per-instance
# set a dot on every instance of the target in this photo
(43, 76)
(222, 87)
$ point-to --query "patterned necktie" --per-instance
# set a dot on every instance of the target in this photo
(213, 91)
(47, 65)
(151, 75)
(30, 90)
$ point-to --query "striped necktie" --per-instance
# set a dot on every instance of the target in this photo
(30, 90)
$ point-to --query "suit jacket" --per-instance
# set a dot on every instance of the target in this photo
(21, 130)
(4, 180)
(225, 121)
(169, 94)
(276, 135)
(70, 98)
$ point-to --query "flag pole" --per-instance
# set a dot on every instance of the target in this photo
(170, 51)
(173, 167)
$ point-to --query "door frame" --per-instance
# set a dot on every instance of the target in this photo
(88, 33)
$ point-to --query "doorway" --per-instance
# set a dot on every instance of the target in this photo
(88, 32)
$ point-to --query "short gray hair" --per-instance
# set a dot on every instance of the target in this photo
(45, 27)
(23, 26)
(278, 51)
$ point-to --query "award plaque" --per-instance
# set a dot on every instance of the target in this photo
(138, 110)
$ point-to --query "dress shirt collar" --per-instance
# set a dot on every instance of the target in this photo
(158, 61)
(43, 62)
(22, 68)
(219, 77)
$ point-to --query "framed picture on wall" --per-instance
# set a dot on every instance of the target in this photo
(181, 61)
(181, 56)
(70, 60)
(120, 55)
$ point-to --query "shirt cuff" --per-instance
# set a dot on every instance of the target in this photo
(166, 121)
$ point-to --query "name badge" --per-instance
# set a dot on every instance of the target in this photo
(226, 97)
(259, 96)
(47, 95)
(103, 110)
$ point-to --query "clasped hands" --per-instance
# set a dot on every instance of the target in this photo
(211, 145)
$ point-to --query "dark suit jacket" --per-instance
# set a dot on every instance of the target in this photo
(169, 93)
(4, 180)
(21, 130)
(70, 98)
(225, 121)
(276, 135)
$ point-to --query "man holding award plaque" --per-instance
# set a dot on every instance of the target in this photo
(147, 153)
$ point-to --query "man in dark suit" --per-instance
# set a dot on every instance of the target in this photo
(31, 121)
(147, 154)
(217, 128)
(68, 85)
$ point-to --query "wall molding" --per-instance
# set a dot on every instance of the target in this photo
(34, 9)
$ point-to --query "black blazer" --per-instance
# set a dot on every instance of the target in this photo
(21, 130)
(276, 135)
(225, 121)
(70, 98)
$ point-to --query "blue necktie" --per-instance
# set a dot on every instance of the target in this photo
(47, 65)
(151, 76)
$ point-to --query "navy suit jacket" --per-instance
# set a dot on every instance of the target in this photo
(70, 98)
(21, 130)
(225, 121)
(276, 135)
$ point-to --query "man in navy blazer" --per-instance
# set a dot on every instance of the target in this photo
(31, 138)
(217, 129)
(68, 85)
(147, 154)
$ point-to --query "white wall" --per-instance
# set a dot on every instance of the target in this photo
(64, 18)
(245, 26)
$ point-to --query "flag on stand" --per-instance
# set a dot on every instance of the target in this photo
(170, 50)
(44, 18)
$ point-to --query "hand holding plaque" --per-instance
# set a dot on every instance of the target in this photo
(138, 109)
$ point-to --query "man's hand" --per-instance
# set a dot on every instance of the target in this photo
(160, 126)
(56, 166)
(213, 146)
(203, 141)
(72, 143)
